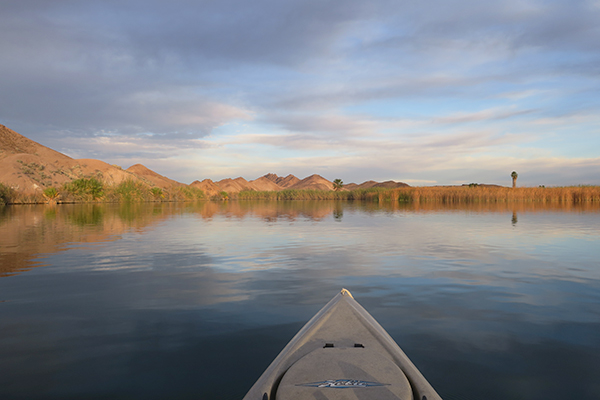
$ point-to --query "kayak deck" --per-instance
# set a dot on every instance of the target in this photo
(342, 353)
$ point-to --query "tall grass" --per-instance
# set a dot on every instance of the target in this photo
(93, 190)
(7, 194)
(186, 193)
(84, 189)
(130, 191)
(439, 194)
(477, 194)
(290, 194)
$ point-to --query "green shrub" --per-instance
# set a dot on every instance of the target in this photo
(157, 192)
(130, 190)
(7, 194)
(187, 193)
(51, 193)
(293, 194)
(85, 189)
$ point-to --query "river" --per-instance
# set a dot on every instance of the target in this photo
(193, 301)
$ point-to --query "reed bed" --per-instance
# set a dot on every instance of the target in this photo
(92, 190)
(466, 194)
(290, 194)
(439, 194)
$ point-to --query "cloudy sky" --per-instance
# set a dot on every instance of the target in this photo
(424, 92)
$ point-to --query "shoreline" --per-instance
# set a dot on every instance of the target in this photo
(428, 194)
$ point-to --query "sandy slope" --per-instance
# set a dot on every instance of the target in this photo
(29, 167)
(373, 184)
(313, 182)
(207, 186)
(234, 185)
(264, 184)
(152, 177)
(284, 182)
(12, 143)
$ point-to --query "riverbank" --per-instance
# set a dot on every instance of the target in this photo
(440, 194)
(91, 190)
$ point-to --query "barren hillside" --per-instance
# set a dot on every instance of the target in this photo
(313, 182)
(234, 185)
(207, 186)
(30, 167)
(264, 184)
(373, 184)
(153, 178)
(286, 182)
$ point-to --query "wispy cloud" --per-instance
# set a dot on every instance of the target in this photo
(428, 92)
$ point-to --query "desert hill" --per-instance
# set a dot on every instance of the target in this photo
(30, 167)
(264, 184)
(234, 185)
(207, 186)
(12, 143)
(313, 182)
(286, 182)
(152, 177)
(373, 184)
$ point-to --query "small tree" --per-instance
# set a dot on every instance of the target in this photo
(157, 193)
(85, 188)
(338, 184)
(514, 177)
(7, 194)
(51, 194)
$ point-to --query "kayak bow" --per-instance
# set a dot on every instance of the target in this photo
(342, 353)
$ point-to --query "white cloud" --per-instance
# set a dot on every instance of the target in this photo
(412, 91)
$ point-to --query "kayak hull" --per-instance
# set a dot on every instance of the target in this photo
(342, 353)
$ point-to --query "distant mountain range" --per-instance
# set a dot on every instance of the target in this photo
(28, 166)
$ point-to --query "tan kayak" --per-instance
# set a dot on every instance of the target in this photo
(342, 353)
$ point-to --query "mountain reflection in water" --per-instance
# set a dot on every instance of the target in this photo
(186, 301)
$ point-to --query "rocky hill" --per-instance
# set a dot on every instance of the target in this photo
(152, 178)
(286, 182)
(313, 182)
(373, 184)
(265, 184)
(207, 186)
(234, 185)
(30, 167)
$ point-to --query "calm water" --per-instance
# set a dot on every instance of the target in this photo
(194, 301)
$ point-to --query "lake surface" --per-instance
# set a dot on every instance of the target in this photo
(175, 301)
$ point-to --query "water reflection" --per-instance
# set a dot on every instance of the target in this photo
(155, 300)
(38, 230)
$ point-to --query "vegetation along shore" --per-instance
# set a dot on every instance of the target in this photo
(31, 173)
(91, 190)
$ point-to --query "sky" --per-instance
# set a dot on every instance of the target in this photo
(429, 92)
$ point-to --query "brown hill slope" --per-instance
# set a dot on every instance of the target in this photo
(264, 184)
(207, 186)
(234, 185)
(29, 167)
(286, 182)
(391, 184)
(313, 182)
(386, 184)
(153, 178)
(12, 142)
